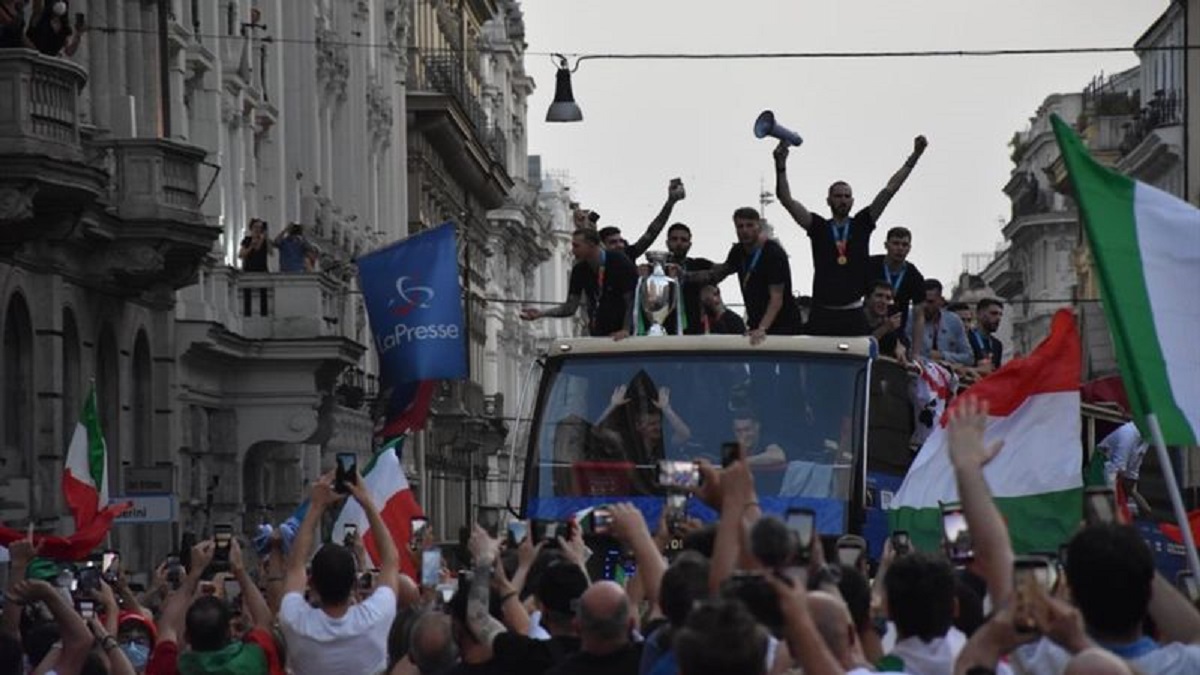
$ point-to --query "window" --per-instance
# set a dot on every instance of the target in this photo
(17, 374)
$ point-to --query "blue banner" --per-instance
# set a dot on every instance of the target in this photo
(414, 302)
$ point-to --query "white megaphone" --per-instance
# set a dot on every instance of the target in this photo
(766, 125)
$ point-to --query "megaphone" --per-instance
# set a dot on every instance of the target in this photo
(766, 125)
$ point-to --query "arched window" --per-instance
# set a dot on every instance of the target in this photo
(16, 373)
(72, 390)
(143, 403)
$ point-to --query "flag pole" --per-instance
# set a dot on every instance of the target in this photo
(1168, 470)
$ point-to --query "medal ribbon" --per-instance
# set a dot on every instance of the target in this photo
(898, 279)
(841, 234)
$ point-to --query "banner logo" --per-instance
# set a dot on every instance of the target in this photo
(411, 297)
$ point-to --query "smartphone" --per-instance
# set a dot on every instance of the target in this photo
(955, 535)
(730, 453)
(547, 531)
(175, 572)
(346, 472)
(901, 544)
(1099, 505)
(1029, 572)
(350, 532)
(601, 520)
(678, 474)
(231, 589)
(612, 562)
(803, 523)
(849, 553)
(366, 581)
(431, 567)
(89, 579)
(417, 527)
(110, 564)
(675, 512)
(517, 531)
(222, 536)
(87, 609)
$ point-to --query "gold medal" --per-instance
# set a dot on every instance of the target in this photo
(842, 260)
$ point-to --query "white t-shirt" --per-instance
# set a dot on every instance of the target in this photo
(319, 644)
(1044, 657)
(1126, 450)
(935, 657)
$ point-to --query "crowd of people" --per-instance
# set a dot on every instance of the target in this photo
(749, 594)
(854, 292)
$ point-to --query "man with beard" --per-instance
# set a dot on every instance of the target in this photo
(840, 245)
(679, 242)
(987, 347)
(765, 276)
(606, 278)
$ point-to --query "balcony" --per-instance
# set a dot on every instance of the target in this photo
(1153, 141)
(288, 306)
(445, 109)
(44, 181)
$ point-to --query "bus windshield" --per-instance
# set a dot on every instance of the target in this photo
(605, 422)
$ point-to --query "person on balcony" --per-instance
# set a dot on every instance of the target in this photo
(255, 247)
(296, 254)
(51, 32)
(12, 25)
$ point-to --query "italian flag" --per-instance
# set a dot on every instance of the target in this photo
(1146, 246)
(85, 476)
(385, 479)
(1037, 478)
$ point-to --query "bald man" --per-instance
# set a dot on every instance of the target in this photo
(605, 621)
(1097, 661)
(431, 643)
(837, 630)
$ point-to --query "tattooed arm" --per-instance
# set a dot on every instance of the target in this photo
(483, 550)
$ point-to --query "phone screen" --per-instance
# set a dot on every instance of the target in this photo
(801, 522)
(1024, 583)
(232, 589)
(1188, 585)
(431, 566)
(89, 579)
(222, 535)
(678, 474)
(900, 542)
(347, 470)
(87, 609)
(601, 521)
(849, 555)
(957, 536)
(417, 532)
(517, 531)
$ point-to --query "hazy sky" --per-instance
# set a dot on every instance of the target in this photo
(646, 122)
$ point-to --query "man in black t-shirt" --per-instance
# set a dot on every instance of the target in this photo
(988, 349)
(679, 242)
(765, 276)
(907, 282)
(606, 278)
(840, 245)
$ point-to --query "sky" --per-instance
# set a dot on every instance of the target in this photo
(646, 122)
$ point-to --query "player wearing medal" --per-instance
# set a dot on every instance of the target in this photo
(840, 245)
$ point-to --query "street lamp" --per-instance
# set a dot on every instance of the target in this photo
(564, 108)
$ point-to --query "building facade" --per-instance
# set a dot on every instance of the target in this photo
(128, 176)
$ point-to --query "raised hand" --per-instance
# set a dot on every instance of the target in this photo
(530, 313)
(483, 547)
(323, 495)
(968, 421)
(618, 396)
(675, 192)
(781, 154)
(919, 145)
(664, 398)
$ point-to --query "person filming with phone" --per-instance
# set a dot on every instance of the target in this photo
(338, 636)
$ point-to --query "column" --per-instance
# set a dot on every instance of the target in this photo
(150, 122)
(134, 68)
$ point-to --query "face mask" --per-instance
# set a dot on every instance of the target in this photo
(138, 654)
(59, 8)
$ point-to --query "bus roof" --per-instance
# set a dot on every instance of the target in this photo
(861, 347)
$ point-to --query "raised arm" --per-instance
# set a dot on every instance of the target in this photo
(21, 553)
(783, 191)
(680, 432)
(484, 551)
(253, 599)
(170, 622)
(711, 276)
(76, 639)
(629, 527)
(989, 534)
(675, 193)
(389, 555)
(893, 185)
(321, 498)
(566, 309)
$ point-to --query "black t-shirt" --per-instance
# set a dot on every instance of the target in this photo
(729, 323)
(47, 40)
(985, 346)
(908, 286)
(837, 285)
(521, 654)
(757, 271)
(606, 307)
(256, 260)
(621, 662)
(691, 294)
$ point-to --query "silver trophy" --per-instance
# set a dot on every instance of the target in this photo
(657, 295)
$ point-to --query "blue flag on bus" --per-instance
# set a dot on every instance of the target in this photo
(414, 302)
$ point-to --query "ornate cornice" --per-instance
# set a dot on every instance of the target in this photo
(333, 61)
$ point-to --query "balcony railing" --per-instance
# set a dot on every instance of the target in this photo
(1165, 109)
(288, 306)
(156, 179)
(39, 105)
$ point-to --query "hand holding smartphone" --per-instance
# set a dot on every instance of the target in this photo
(222, 537)
(417, 529)
(431, 567)
(955, 535)
(679, 474)
(346, 472)
(803, 523)
(901, 544)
